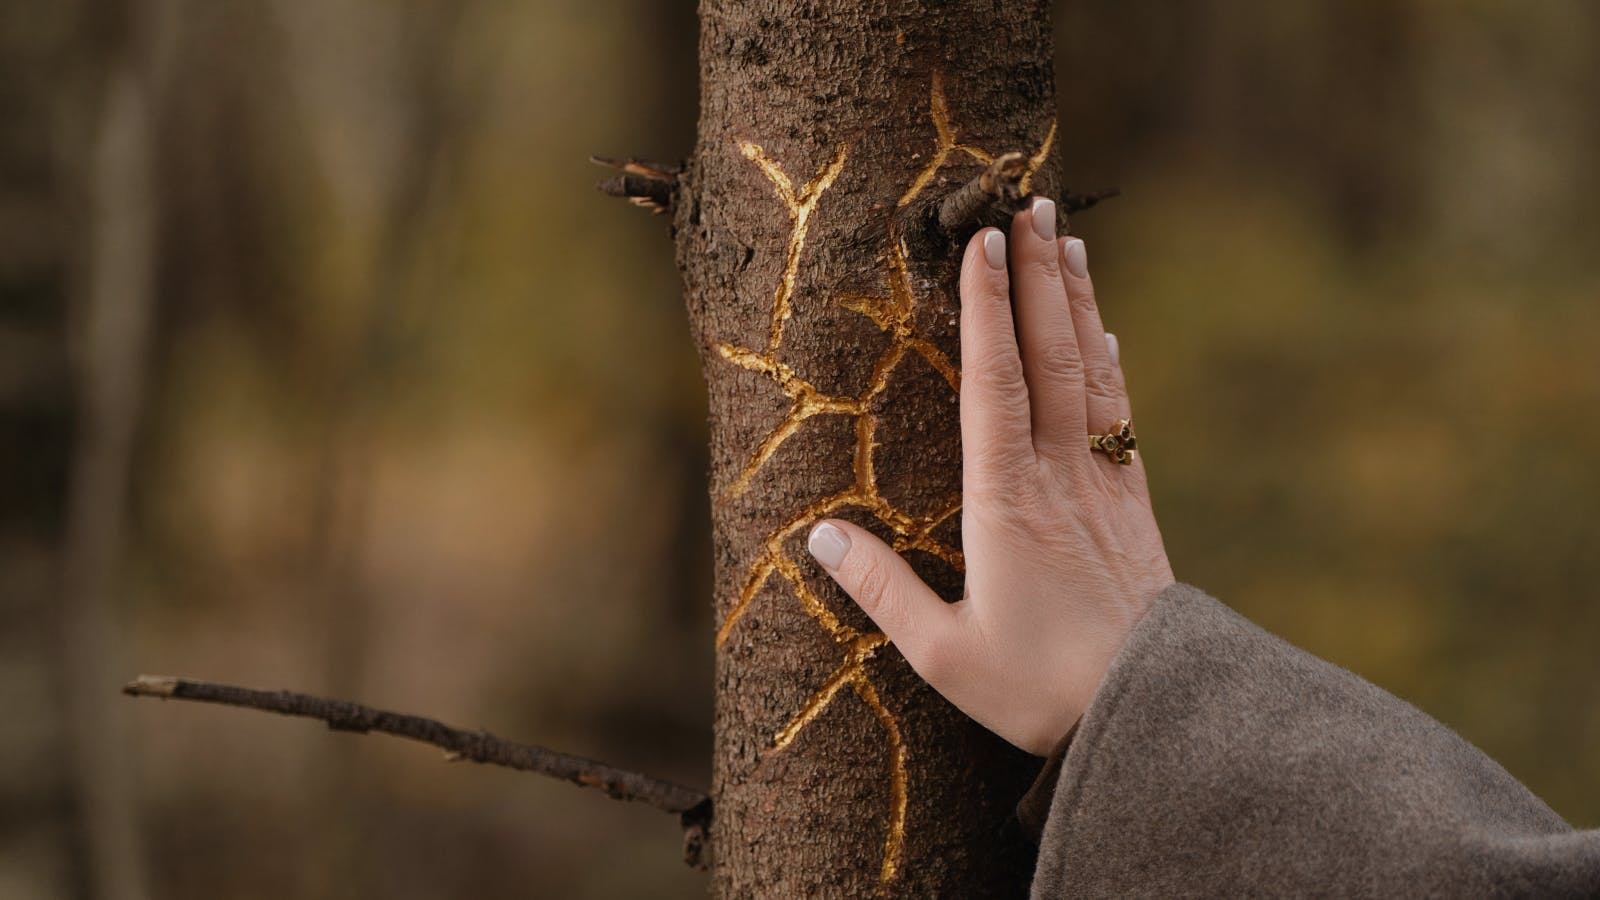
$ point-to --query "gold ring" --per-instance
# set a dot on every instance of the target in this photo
(1119, 444)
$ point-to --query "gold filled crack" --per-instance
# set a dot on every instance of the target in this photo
(895, 829)
(800, 206)
(861, 649)
(894, 312)
(945, 144)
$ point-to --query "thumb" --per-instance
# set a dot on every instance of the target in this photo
(884, 586)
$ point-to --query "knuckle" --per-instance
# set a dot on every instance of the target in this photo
(1099, 386)
(875, 583)
(1027, 514)
(1000, 465)
(1040, 265)
(999, 376)
(1083, 299)
(1018, 503)
(1060, 358)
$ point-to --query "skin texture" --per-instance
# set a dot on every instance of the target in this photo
(1062, 550)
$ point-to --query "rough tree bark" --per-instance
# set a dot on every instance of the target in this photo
(821, 289)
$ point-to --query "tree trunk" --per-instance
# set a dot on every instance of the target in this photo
(116, 303)
(825, 309)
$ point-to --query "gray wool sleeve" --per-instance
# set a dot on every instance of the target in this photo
(1216, 760)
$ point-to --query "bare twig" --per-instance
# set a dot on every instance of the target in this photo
(692, 806)
(697, 835)
(651, 185)
(1075, 202)
(999, 182)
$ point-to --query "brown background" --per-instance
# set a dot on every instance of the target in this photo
(423, 423)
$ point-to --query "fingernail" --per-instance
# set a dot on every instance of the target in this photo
(1111, 345)
(1044, 218)
(1077, 258)
(994, 250)
(828, 543)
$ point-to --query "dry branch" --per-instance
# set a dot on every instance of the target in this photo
(999, 183)
(1072, 201)
(651, 185)
(477, 746)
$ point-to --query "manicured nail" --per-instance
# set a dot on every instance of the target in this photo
(1111, 345)
(829, 544)
(1044, 218)
(1077, 258)
(994, 250)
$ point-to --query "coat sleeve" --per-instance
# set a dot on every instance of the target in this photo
(1217, 760)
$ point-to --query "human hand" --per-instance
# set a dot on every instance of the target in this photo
(1062, 551)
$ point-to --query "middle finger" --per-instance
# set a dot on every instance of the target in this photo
(1051, 360)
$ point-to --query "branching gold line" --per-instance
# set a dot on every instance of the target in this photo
(813, 604)
(895, 314)
(879, 382)
(780, 181)
(946, 144)
(944, 138)
(898, 521)
(904, 302)
(798, 413)
(1037, 160)
(982, 156)
(763, 567)
(808, 402)
(896, 828)
(758, 362)
(772, 550)
(861, 650)
(920, 537)
(953, 558)
(800, 208)
(939, 111)
(937, 519)
(938, 360)
(814, 706)
(875, 308)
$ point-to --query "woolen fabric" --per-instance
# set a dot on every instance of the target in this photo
(1216, 760)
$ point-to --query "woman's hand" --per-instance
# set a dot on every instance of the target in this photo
(1062, 551)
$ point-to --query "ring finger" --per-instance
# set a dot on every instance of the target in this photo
(1105, 396)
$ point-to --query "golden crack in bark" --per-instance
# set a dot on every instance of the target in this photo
(808, 402)
(895, 829)
(894, 314)
(945, 138)
(862, 647)
(1037, 159)
(800, 207)
(945, 145)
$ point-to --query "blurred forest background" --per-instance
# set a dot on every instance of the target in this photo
(323, 366)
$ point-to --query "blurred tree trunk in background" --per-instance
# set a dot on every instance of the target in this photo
(826, 317)
(115, 306)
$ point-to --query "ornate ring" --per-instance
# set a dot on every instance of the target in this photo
(1119, 444)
